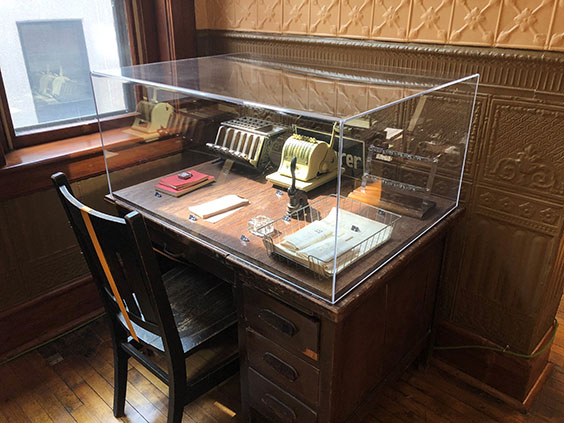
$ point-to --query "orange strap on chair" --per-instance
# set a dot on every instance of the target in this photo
(84, 211)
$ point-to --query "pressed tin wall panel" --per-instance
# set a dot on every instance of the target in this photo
(390, 20)
(324, 17)
(474, 22)
(524, 24)
(269, 16)
(430, 21)
(556, 33)
(525, 149)
(295, 16)
(356, 18)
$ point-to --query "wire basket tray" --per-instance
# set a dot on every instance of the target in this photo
(362, 228)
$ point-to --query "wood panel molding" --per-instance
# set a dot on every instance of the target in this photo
(47, 316)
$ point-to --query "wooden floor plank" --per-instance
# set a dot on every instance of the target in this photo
(94, 404)
(46, 382)
(15, 387)
(71, 380)
(426, 383)
(492, 407)
(11, 411)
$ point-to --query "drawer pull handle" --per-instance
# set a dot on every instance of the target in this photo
(278, 322)
(281, 367)
(280, 410)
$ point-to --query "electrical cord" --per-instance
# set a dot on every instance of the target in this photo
(506, 351)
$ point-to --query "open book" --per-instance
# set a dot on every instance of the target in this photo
(314, 245)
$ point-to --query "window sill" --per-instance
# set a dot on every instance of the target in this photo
(29, 169)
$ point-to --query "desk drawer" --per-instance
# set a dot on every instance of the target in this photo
(282, 324)
(283, 368)
(276, 404)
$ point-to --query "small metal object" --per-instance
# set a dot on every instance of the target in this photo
(185, 175)
(158, 194)
(287, 218)
(279, 193)
(244, 238)
(355, 228)
(192, 218)
(297, 198)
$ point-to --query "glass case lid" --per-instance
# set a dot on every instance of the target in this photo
(254, 80)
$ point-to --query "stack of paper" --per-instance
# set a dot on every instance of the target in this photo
(315, 243)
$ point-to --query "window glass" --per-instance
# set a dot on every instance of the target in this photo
(48, 48)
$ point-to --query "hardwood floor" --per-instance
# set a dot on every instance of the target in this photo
(71, 378)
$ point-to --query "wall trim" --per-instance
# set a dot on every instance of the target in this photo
(443, 49)
(501, 68)
(47, 316)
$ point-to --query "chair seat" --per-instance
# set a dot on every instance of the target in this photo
(202, 306)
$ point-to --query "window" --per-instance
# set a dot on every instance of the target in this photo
(46, 55)
(49, 46)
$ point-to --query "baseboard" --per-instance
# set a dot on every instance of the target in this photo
(514, 380)
(522, 406)
(35, 322)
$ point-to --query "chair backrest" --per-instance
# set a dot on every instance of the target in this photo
(120, 256)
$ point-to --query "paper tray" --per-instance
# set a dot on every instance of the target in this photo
(376, 228)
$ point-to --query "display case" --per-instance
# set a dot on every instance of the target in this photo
(315, 175)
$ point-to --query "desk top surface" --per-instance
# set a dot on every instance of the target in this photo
(225, 236)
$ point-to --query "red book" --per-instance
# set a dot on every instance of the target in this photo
(178, 192)
(176, 182)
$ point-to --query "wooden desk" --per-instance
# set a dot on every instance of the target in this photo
(302, 358)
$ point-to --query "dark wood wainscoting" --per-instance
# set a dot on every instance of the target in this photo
(503, 274)
(48, 316)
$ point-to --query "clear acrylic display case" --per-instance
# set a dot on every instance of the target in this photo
(316, 175)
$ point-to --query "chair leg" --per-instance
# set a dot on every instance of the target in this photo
(120, 380)
(176, 399)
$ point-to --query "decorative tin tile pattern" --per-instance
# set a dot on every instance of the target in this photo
(246, 14)
(221, 14)
(430, 20)
(295, 16)
(521, 153)
(269, 16)
(475, 22)
(530, 24)
(324, 17)
(351, 99)
(356, 18)
(556, 38)
(524, 23)
(391, 20)
(322, 96)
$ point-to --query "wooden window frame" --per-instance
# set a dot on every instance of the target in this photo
(158, 30)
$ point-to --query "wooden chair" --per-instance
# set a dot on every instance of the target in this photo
(175, 313)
